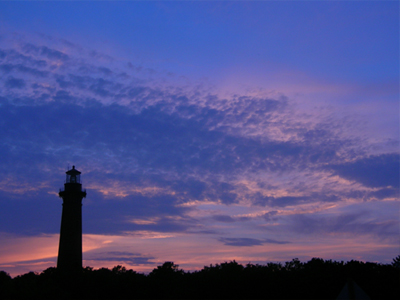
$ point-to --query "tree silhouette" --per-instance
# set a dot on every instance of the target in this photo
(166, 281)
(166, 270)
(5, 280)
(396, 262)
(315, 279)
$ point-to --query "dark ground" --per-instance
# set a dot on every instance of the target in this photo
(315, 279)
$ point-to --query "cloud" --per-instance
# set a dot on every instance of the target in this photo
(259, 199)
(31, 213)
(124, 257)
(372, 171)
(269, 216)
(14, 56)
(224, 218)
(105, 216)
(152, 138)
(385, 193)
(350, 223)
(248, 242)
(14, 83)
(241, 241)
(51, 54)
(270, 241)
(232, 219)
(20, 69)
(204, 131)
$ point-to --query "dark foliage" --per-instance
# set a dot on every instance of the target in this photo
(315, 279)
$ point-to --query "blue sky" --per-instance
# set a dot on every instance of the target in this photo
(204, 131)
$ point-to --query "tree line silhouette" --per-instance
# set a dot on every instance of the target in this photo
(315, 279)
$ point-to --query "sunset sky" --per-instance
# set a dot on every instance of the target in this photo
(205, 131)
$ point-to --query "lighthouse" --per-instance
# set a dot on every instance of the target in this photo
(69, 260)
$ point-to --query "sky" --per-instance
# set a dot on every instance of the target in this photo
(205, 131)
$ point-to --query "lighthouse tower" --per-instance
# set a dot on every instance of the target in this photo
(70, 248)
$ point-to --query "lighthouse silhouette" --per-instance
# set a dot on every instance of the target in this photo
(69, 260)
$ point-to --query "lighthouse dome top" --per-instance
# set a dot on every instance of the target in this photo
(73, 176)
(73, 171)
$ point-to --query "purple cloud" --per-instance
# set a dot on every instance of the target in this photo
(249, 242)
(372, 171)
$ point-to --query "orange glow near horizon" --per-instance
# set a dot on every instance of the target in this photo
(24, 254)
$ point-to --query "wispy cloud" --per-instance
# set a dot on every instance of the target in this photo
(120, 257)
(241, 242)
(372, 171)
